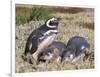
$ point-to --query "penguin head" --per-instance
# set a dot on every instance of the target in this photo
(47, 55)
(52, 22)
(69, 53)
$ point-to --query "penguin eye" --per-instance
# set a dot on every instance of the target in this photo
(69, 56)
(52, 23)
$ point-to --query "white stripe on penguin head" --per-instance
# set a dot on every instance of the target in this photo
(47, 23)
(71, 56)
(82, 47)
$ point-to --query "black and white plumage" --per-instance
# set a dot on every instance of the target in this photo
(53, 52)
(77, 47)
(41, 38)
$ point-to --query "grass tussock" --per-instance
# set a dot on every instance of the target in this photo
(35, 13)
(39, 13)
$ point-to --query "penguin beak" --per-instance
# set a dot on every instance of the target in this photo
(58, 19)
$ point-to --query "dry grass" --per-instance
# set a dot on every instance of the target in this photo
(81, 24)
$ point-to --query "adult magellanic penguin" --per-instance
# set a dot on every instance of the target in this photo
(41, 38)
